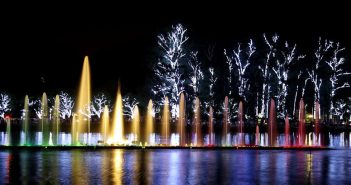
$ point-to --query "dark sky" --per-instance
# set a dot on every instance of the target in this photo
(50, 41)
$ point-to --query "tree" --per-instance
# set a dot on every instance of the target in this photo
(338, 73)
(242, 60)
(129, 104)
(314, 73)
(196, 74)
(281, 71)
(66, 105)
(5, 105)
(168, 71)
(98, 104)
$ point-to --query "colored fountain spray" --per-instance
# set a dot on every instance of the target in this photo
(27, 141)
(287, 131)
(82, 111)
(149, 132)
(272, 124)
(136, 124)
(117, 127)
(165, 128)
(8, 131)
(210, 127)
(181, 121)
(198, 141)
(105, 123)
(225, 132)
(44, 120)
(56, 120)
(241, 123)
(301, 126)
(316, 117)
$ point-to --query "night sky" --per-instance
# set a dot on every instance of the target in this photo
(42, 47)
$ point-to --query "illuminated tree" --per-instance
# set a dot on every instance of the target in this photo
(242, 59)
(5, 101)
(338, 73)
(129, 104)
(196, 74)
(98, 104)
(313, 73)
(168, 71)
(66, 105)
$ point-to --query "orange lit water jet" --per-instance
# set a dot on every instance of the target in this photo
(105, 123)
(149, 132)
(181, 120)
(83, 105)
(117, 127)
(136, 124)
(165, 123)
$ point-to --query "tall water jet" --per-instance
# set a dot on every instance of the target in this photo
(210, 127)
(8, 131)
(136, 124)
(272, 124)
(56, 120)
(27, 141)
(287, 131)
(117, 127)
(301, 126)
(257, 135)
(165, 130)
(105, 123)
(83, 104)
(197, 124)
(316, 117)
(225, 139)
(181, 120)
(241, 123)
(44, 120)
(149, 136)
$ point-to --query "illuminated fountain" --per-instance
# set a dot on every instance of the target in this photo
(117, 135)
(316, 124)
(81, 123)
(149, 131)
(272, 125)
(27, 141)
(105, 123)
(181, 121)
(210, 128)
(241, 124)
(136, 125)
(257, 136)
(301, 126)
(56, 121)
(8, 132)
(197, 124)
(287, 131)
(165, 130)
(45, 134)
(226, 121)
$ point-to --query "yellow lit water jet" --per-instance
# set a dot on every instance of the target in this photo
(83, 104)
(197, 122)
(135, 124)
(165, 122)
(44, 120)
(181, 120)
(105, 121)
(117, 127)
(56, 120)
(149, 123)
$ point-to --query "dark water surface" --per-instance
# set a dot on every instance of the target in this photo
(174, 166)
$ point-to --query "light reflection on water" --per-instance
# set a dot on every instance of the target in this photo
(334, 140)
(118, 166)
